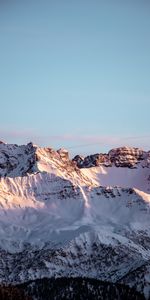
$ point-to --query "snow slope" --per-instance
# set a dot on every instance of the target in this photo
(124, 177)
(54, 205)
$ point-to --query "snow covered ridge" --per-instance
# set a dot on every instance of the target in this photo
(28, 159)
(18, 161)
(58, 218)
(124, 167)
(22, 160)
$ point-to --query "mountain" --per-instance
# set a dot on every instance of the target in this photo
(85, 217)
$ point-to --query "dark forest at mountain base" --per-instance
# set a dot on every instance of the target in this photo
(76, 289)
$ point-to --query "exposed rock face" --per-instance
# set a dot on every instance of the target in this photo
(94, 160)
(79, 160)
(22, 160)
(126, 157)
(64, 154)
(119, 157)
(17, 160)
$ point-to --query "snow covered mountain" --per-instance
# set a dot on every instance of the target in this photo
(82, 217)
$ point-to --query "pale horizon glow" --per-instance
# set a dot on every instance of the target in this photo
(76, 144)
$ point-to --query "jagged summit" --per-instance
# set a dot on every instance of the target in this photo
(120, 157)
(21, 160)
(18, 161)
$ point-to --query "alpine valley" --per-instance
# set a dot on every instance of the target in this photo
(84, 220)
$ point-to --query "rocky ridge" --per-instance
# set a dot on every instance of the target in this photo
(124, 157)
(19, 161)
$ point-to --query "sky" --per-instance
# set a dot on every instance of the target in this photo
(75, 74)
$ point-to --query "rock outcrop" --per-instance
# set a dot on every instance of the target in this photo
(126, 157)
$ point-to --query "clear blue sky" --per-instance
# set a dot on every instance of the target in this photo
(75, 72)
